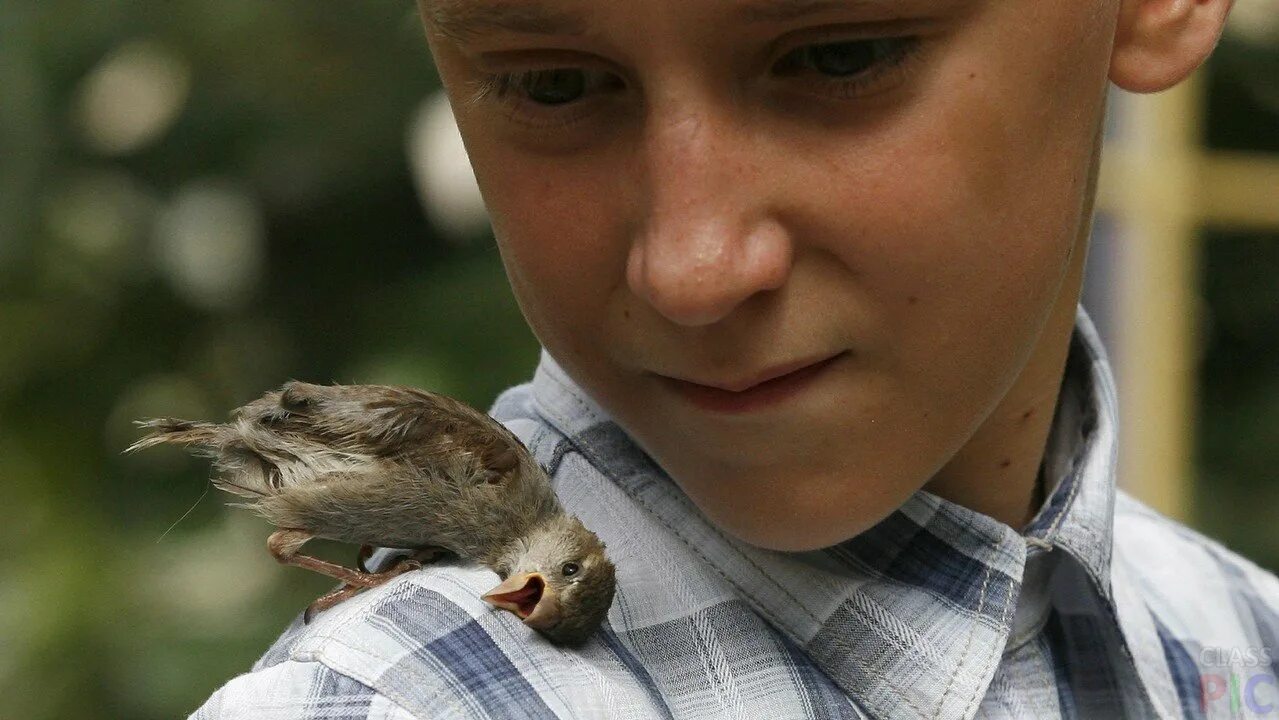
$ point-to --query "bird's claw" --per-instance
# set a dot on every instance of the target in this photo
(324, 602)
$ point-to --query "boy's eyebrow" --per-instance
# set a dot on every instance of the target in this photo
(466, 19)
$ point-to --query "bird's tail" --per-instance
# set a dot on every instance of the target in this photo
(242, 471)
(206, 437)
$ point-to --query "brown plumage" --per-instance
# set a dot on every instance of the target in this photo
(391, 466)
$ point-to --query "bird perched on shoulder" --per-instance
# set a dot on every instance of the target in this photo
(392, 466)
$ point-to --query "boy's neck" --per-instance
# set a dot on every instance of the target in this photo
(996, 472)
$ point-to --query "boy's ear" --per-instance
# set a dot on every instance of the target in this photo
(1158, 43)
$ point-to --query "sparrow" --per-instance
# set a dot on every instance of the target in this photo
(402, 467)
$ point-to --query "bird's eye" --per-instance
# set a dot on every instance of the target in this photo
(569, 568)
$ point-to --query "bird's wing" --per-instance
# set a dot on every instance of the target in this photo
(430, 427)
(391, 421)
(364, 506)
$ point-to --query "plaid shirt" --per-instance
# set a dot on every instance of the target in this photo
(1100, 608)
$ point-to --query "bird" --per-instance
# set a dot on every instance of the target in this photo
(403, 467)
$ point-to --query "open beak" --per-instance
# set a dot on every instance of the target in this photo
(528, 596)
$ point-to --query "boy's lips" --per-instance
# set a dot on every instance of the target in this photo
(765, 388)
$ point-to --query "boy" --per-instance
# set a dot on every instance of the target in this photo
(806, 276)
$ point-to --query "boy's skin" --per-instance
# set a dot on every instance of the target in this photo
(707, 215)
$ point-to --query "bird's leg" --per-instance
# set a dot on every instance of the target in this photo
(324, 602)
(284, 546)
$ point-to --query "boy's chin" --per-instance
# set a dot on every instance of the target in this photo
(801, 538)
(794, 527)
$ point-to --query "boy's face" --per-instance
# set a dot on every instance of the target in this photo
(715, 188)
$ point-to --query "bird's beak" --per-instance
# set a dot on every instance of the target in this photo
(529, 597)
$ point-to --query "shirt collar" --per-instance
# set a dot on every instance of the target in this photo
(1080, 460)
(915, 613)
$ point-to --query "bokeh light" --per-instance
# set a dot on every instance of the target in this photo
(132, 97)
(443, 173)
(209, 244)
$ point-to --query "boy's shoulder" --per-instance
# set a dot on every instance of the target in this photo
(424, 645)
(1199, 590)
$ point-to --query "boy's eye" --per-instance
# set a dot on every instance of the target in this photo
(840, 59)
(851, 68)
(556, 87)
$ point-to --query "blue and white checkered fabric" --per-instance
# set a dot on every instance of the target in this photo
(1101, 608)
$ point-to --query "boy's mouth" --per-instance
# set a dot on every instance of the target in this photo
(764, 389)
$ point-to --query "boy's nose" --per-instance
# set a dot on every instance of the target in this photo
(709, 239)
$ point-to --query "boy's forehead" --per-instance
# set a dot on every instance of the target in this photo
(464, 19)
(467, 19)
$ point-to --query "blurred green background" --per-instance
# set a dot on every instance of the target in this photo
(201, 200)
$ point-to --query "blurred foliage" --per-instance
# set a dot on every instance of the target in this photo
(129, 592)
(1237, 489)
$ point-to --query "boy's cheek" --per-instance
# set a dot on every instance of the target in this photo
(557, 240)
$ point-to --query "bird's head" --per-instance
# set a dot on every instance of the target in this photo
(557, 580)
